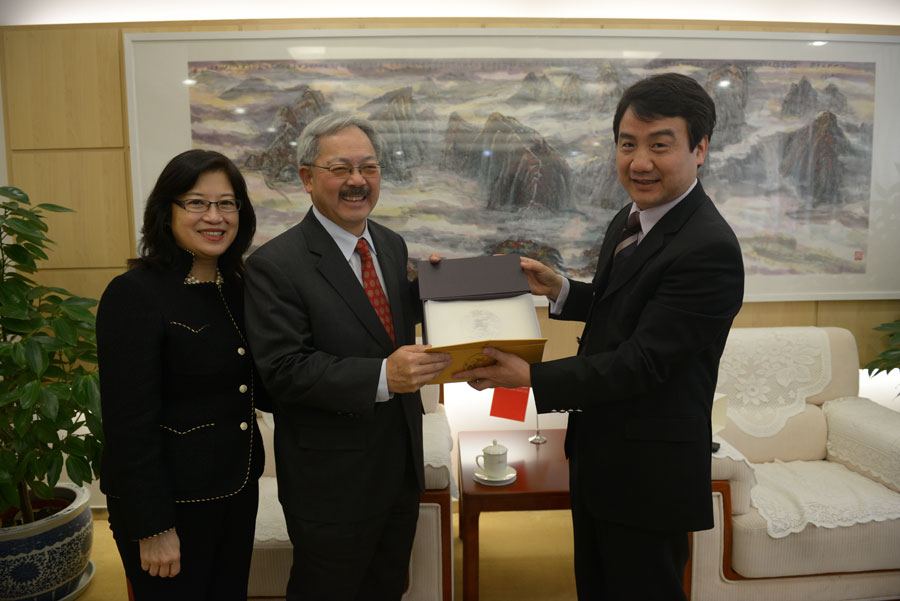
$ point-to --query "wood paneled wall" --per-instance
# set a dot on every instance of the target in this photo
(67, 143)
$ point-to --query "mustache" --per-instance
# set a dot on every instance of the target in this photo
(356, 190)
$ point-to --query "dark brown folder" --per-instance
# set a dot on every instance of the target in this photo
(473, 278)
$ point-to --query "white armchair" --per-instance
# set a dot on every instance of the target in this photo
(806, 484)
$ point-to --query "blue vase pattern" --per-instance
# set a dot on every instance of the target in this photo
(47, 564)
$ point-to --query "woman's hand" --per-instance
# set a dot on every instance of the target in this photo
(161, 554)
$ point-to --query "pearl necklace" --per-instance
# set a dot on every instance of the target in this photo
(191, 279)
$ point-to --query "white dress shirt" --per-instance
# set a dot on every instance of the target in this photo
(346, 243)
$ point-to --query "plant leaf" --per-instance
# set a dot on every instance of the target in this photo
(23, 326)
(94, 424)
(87, 392)
(40, 489)
(78, 469)
(54, 467)
(48, 403)
(18, 354)
(14, 193)
(10, 294)
(36, 357)
(22, 421)
(54, 208)
(45, 432)
(78, 313)
(19, 254)
(30, 393)
(9, 496)
(78, 300)
(8, 397)
(36, 251)
(21, 226)
(65, 330)
(33, 218)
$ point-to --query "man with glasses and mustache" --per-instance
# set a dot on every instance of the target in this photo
(331, 322)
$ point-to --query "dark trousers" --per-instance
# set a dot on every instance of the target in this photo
(614, 562)
(363, 560)
(216, 540)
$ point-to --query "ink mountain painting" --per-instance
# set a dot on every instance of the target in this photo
(517, 156)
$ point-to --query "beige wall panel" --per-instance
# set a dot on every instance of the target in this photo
(92, 183)
(80, 282)
(177, 27)
(560, 335)
(765, 315)
(860, 317)
(63, 88)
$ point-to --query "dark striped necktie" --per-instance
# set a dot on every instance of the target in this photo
(629, 239)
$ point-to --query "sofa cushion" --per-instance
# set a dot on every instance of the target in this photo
(801, 439)
(814, 550)
(792, 496)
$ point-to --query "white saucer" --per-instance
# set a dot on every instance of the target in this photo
(481, 477)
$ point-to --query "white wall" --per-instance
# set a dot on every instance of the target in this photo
(27, 12)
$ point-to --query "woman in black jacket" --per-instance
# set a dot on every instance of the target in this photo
(179, 390)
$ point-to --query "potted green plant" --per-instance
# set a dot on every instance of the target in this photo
(889, 358)
(49, 409)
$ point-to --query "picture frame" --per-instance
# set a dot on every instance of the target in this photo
(796, 247)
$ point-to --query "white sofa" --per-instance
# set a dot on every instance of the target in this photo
(806, 484)
(431, 563)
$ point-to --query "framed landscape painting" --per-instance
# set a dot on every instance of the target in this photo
(501, 141)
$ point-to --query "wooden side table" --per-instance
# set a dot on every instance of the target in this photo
(542, 482)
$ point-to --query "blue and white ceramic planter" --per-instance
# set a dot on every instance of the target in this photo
(44, 560)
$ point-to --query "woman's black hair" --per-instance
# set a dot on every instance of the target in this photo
(158, 250)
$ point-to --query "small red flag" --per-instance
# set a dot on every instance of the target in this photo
(510, 403)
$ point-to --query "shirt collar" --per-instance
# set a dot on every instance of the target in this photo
(652, 216)
(345, 241)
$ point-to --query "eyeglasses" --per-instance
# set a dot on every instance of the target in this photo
(367, 170)
(198, 205)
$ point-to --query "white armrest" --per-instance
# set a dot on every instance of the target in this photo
(730, 464)
(437, 444)
(865, 437)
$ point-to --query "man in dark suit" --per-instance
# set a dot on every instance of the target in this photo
(667, 288)
(331, 321)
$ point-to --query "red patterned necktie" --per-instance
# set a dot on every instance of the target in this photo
(373, 288)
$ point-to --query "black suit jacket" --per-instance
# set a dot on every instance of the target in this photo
(179, 392)
(319, 346)
(647, 365)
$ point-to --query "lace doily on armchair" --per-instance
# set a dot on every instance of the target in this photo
(768, 373)
(791, 495)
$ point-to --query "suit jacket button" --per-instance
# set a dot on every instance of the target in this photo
(242, 388)
(244, 426)
(241, 351)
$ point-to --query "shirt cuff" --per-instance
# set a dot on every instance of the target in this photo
(557, 305)
(383, 394)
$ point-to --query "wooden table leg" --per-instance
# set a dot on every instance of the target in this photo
(468, 524)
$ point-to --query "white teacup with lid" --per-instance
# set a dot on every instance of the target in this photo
(493, 460)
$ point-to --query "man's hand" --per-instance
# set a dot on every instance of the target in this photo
(161, 554)
(510, 371)
(543, 280)
(410, 367)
